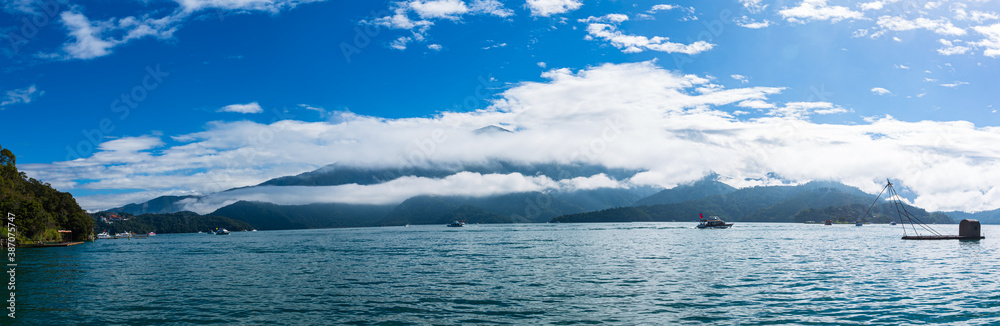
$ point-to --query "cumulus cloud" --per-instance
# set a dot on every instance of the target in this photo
(242, 108)
(636, 43)
(951, 49)
(673, 127)
(818, 10)
(417, 17)
(991, 42)
(93, 39)
(609, 18)
(545, 8)
(880, 91)
(940, 26)
(20, 96)
(740, 78)
(752, 24)
(753, 6)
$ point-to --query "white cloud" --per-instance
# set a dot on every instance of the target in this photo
(662, 7)
(400, 43)
(955, 84)
(242, 108)
(419, 16)
(490, 7)
(958, 9)
(756, 104)
(940, 26)
(272, 6)
(435, 47)
(901, 67)
(92, 39)
(610, 115)
(20, 96)
(991, 43)
(802, 110)
(875, 5)
(609, 18)
(447, 9)
(880, 91)
(951, 49)
(740, 78)
(753, 6)
(818, 10)
(87, 42)
(752, 24)
(636, 43)
(545, 8)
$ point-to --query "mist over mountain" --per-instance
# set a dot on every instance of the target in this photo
(815, 201)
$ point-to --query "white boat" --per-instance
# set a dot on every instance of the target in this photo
(104, 235)
(222, 232)
(713, 222)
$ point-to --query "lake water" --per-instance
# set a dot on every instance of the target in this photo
(624, 273)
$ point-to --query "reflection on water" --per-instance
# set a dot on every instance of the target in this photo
(658, 273)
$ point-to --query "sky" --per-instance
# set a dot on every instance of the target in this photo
(121, 103)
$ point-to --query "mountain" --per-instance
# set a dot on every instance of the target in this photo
(268, 216)
(337, 174)
(705, 187)
(881, 213)
(36, 209)
(985, 217)
(158, 205)
(504, 208)
(181, 222)
(756, 204)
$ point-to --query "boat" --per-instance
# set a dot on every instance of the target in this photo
(457, 224)
(151, 234)
(222, 232)
(892, 223)
(858, 223)
(713, 222)
(125, 234)
(105, 235)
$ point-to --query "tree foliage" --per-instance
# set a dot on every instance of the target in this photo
(182, 222)
(39, 210)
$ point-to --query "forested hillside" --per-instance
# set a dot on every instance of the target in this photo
(39, 211)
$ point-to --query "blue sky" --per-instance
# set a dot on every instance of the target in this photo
(279, 84)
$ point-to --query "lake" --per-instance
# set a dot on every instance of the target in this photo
(618, 273)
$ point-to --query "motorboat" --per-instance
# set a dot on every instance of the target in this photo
(713, 222)
(858, 223)
(222, 232)
(457, 224)
(105, 235)
(828, 222)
